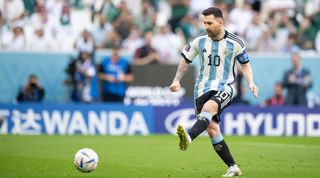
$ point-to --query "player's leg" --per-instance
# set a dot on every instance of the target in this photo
(206, 109)
(222, 149)
(222, 100)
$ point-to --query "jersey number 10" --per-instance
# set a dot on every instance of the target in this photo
(216, 60)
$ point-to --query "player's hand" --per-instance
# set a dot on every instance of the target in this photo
(254, 89)
(175, 86)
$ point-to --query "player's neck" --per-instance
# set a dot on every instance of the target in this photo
(220, 36)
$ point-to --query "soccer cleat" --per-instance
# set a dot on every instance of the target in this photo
(233, 171)
(183, 137)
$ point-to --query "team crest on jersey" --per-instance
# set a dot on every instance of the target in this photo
(188, 47)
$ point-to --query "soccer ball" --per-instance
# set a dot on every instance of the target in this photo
(86, 160)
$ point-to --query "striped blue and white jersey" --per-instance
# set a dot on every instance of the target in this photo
(217, 62)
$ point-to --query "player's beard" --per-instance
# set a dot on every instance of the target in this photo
(212, 34)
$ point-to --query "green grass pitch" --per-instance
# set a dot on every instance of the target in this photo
(157, 156)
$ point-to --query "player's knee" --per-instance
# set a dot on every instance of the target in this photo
(211, 106)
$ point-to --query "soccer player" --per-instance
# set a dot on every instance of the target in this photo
(218, 52)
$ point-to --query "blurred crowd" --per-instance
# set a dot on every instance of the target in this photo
(151, 32)
(67, 25)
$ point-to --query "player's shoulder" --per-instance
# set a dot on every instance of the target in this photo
(200, 36)
(235, 38)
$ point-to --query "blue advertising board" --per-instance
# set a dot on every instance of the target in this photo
(86, 119)
(113, 119)
(244, 120)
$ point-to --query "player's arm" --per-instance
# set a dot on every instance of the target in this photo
(248, 75)
(188, 54)
(182, 69)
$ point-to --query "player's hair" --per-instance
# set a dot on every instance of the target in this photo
(216, 12)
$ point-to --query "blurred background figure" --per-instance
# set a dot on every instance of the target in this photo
(277, 99)
(12, 10)
(82, 78)
(40, 41)
(15, 40)
(133, 41)
(179, 9)
(146, 54)
(88, 81)
(124, 22)
(115, 74)
(167, 44)
(240, 90)
(85, 42)
(67, 27)
(32, 91)
(101, 31)
(146, 20)
(297, 81)
(254, 33)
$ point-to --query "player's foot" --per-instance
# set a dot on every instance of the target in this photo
(183, 137)
(233, 171)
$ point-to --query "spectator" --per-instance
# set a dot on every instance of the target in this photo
(102, 31)
(190, 27)
(197, 6)
(108, 9)
(85, 42)
(32, 91)
(82, 78)
(115, 73)
(133, 42)
(313, 99)
(291, 45)
(240, 90)
(124, 23)
(254, 33)
(88, 82)
(146, 54)
(297, 80)
(179, 10)
(63, 28)
(111, 39)
(167, 44)
(40, 16)
(12, 10)
(40, 41)
(283, 29)
(147, 18)
(277, 99)
(308, 31)
(16, 39)
(241, 17)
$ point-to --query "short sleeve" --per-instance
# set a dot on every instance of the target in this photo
(190, 51)
(241, 55)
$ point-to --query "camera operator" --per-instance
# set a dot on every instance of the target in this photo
(82, 78)
(32, 91)
(72, 80)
